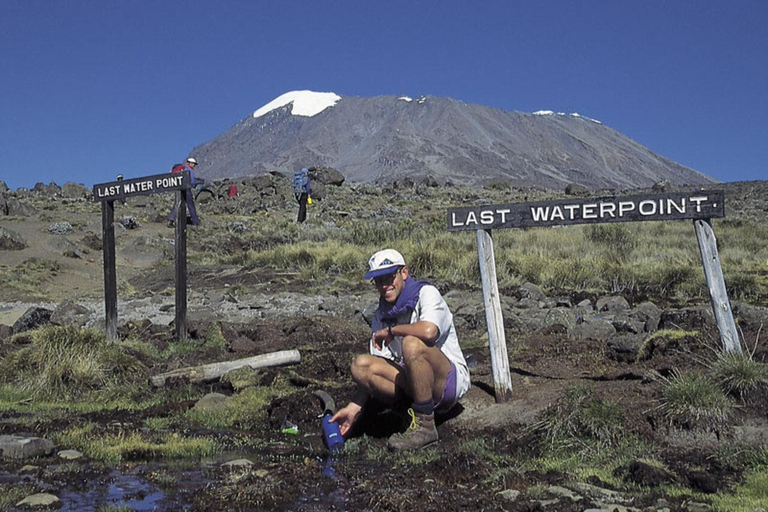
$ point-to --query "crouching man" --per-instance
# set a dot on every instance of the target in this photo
(414, 354)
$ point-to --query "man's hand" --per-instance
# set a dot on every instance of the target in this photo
(380, 337)
(346, 417)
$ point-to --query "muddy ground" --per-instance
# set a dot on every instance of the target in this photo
(294, 472)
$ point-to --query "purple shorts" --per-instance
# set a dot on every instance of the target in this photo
(448, 400)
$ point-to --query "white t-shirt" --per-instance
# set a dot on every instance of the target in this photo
(430, 307)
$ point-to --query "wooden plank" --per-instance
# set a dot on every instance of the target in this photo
(110, 272)
(502, 379)
(718, 295)
(181, 265)
(214, 371)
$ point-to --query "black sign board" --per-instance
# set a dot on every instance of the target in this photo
(107, 194)
(118, 190)
(668, 206)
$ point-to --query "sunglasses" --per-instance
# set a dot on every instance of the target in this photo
(385, 280)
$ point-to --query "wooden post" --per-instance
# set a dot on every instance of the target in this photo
(181, 265)
(502, 380)
(110, 273)
(718, 294)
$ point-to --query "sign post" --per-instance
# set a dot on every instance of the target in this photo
(701, 206)
(497, 341)
(107, 194)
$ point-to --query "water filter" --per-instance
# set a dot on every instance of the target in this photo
(333, 438)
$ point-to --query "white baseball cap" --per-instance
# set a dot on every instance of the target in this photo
(384, 263)
(191, 160)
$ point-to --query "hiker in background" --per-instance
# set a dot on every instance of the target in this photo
(414, 354)
(193, 219)
(301, 191)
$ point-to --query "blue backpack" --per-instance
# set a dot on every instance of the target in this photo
(301, 182)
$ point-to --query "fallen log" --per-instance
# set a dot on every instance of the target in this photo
(214, 371)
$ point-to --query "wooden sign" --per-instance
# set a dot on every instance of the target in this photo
(119, 190)
(700, 206)
(107, 194)
(668, 206)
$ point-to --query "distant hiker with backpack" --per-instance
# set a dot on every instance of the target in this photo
(193, 219)
(302, 192)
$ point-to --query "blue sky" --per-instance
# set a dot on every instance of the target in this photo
(93, 88)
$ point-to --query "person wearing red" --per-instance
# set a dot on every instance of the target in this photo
(188, 166)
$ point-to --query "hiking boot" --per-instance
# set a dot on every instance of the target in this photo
(171, 223)
(420, 434)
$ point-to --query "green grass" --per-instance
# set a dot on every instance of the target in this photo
(68, 363)
(748, 496)
(659, 260)
(581, 423)
(740, 375)
(694, 400)
(125, 446)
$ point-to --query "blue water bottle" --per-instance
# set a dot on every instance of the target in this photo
(333, 438)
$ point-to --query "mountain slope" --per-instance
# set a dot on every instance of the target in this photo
(388, 138)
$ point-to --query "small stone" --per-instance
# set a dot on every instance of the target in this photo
(39, 500)
(238, 463)
(70, 454)
(510, 495)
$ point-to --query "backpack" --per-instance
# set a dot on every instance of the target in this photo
(300, 182)
(178, 168)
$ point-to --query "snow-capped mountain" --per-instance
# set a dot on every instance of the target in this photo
(389, 138)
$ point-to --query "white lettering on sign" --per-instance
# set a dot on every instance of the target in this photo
(674, 206)
(487, 217)
(108, 191)
(609, 210)
(169, 181)
(137, 187)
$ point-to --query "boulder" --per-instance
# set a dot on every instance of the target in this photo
(51, 190)
(21, 447)
(624, 347)
(531, 291)
(574, 189)
(612, 305)
(75, 190)
(10, 240)
(212, 403)
(592, 328)
(649, 314)
(623, 323)
(749, 316)
(12, 207)
(129, 222)
(70, 313)
(60, 228)
(430, 181)
(32, 318)
(689, 318)
(326, 176)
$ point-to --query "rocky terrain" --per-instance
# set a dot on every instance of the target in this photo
(556, 339)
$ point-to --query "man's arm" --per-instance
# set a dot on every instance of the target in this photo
(426, 331)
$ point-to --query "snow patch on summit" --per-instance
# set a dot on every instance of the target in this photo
(574, 114)
(304, 103)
